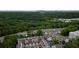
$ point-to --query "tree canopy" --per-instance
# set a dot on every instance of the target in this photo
(13, 22)
(74, 43)
(9, 41)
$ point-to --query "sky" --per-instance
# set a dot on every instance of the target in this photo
(28, 5)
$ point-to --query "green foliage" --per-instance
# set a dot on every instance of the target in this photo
(72, 44)
(55, 41)
(9, 41)
(39, 32)
(65, 32)
(13, 22)
(70, 28)
(30, 33)
(11, 27)
(0, 45)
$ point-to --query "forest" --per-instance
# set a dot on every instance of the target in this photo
(13, 22)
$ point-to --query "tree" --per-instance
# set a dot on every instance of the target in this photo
(72, 44)
(39, 32)
(9, 41)
(55, 41)
(65, 32)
